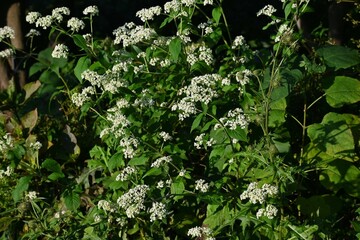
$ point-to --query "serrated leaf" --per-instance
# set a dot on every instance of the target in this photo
(344, 90)
(72, 200)
(21, 186)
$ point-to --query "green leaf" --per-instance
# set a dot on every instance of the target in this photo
(277, 112)
(115, 161)
(29, 120)
(72, 200)
(177, 187)
(220, 219)
(216, 14)
(175, 49)
(153, 172)
(51, 165)
(197, 121)
(319, 206)
(138, 161)
(339, 56)
(36, 67)
(80, 41)
(21, 186)
(344, 90)
(82, 64)
(239, 134)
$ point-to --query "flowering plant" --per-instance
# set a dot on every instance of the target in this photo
(151, 136)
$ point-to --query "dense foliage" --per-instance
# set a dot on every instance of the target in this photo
(196, 134)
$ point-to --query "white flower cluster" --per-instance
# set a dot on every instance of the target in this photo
(91, 10)
(200, 141)
(270, 211)
(33, 33)
(201, 185)
(200, 232)
(6, 32)
(206, 28)
(197, 53)
(161, 183)
(129, 145)
(80, 98)
(284, 33)
(157, 211)
(44, 22)
(243, 77)
(125, 173)
(60, 51)
(106, 206)
(7, 173)
(57, 13)
(208, 2)
(188, 3)
(117, 121)
(234, 118)
(144, 100)
(147, 14)
(6, 143)
(161, 161)
(7, 53)
(32, 17)
(255, 194)
(35, 146)
(268, 10)
(165, 136)
(75, 24)
(130, 34)
(31, 195)
(239, 41)
(173, 5)
(133, 201)
(202, 89)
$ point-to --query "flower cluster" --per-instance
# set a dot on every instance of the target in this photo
(200, 232)
(239, 41)
(234, 119)
(165, 136)
(284, 33)
(6, 143)
(160, 161)
(133, 201)
(32, 33)
(6, 32)
(270, 211)
(157, 211)
(91, 11)
(268, 10)
(200, 141)
(255, 194)
(7, 53)
(30, 196)
(125, 173)
(129, 145)
(130, 34)
(57, 13)
(243, 77)
(106, 206)
(147, 14)
(201, 185)
(32, 17)
(196, 53)
(75, 24)
(60, 51)
(8, 172)
(202, 89)
(35, 146)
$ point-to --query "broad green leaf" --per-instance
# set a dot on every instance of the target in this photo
(220, 219)
(197, 121)
(238, 134)
(344, 90)
(116, 161)
(80, 41)
(36, 67)
(277, 112)
(175, 49)
(339, 57)
(216, 14)
(55, 176)
(82, 65)
(21, 186)
(138, 161)
(72, 200)
(90, 234)
(334, 134)
(153, 172)
(177, 187)
(51, 165)
(341, 174)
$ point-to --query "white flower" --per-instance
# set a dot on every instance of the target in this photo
(160, 184)
(31, 195)
(270, 212)
(32, 17)
(173, 5)
(33, 33)
(208, 2)
(133, 201)
(268, 10)
(125, 174)
(75, 24)
(200, 232)
(255, 194)
(6, 32)
(97, 218)
(57, 13)
(147, 14)
(6, 143)
(91, 10)
(199, 140)
(243, 77)
(157, 211)
(35, 146)
(188, 3)
(7, 53)
(130, 34)
(239, 41)
(80, 98)
(129, 144)
(44, 22)
(106, 206)
(160, 161)
(165, 136)
(235, 118)
(201, 185)
(182, 172)
(60, 51)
